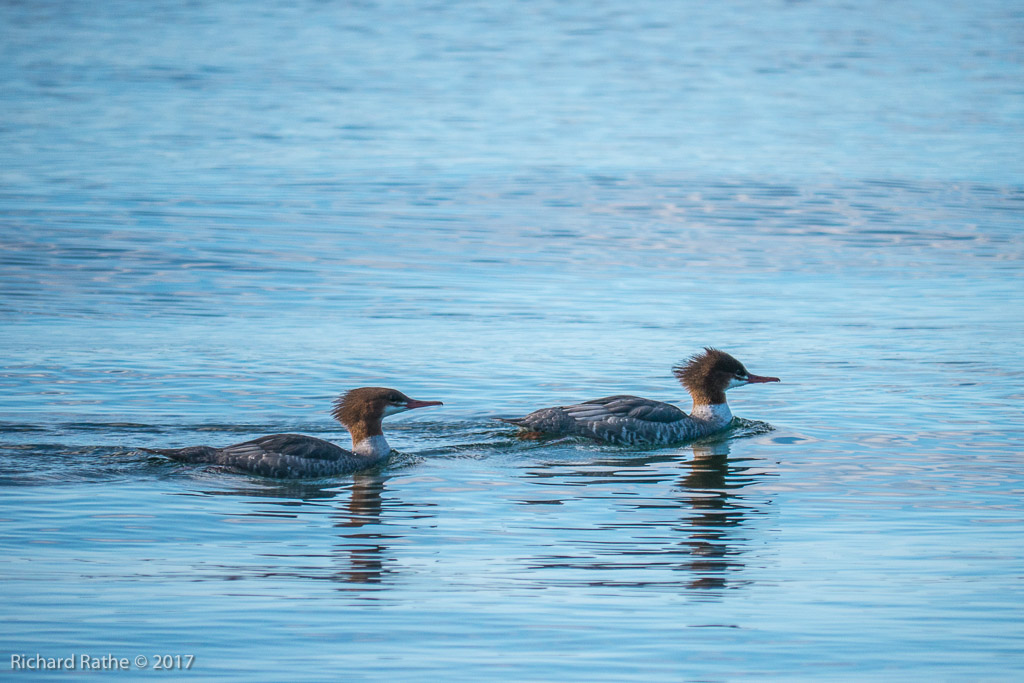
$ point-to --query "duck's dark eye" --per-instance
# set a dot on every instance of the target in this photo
(395, 398)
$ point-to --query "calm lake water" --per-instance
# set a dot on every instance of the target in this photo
(217, 216)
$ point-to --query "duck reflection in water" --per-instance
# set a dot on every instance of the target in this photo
(364, 546)
(661, 529)
(711, 488)
(361, 550)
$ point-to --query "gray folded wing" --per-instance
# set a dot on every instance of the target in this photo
(625, 407)
(295, 445)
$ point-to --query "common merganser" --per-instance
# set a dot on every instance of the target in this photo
(639, 421)
(294, 455)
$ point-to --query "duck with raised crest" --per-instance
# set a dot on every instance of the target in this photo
(639, 421)
(294, 455)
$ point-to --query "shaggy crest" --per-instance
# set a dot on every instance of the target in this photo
(706, 375)
(365, 405)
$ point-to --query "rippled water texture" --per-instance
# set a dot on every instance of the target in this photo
(216, 216)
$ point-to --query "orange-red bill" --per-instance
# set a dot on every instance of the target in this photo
(413, 403)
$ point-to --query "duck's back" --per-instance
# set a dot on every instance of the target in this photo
(278, 455)
(617, 419)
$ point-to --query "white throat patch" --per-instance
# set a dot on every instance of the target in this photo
(717, 413)
(393, 409)
(372, 447)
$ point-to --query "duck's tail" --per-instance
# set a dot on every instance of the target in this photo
(188, 454)
(517, 421)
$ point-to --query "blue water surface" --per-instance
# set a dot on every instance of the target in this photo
(216, 216)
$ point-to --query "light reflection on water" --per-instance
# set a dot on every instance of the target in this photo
(505, 208)
(669, 531)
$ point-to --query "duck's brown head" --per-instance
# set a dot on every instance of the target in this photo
(707, 376)
(362, 410)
